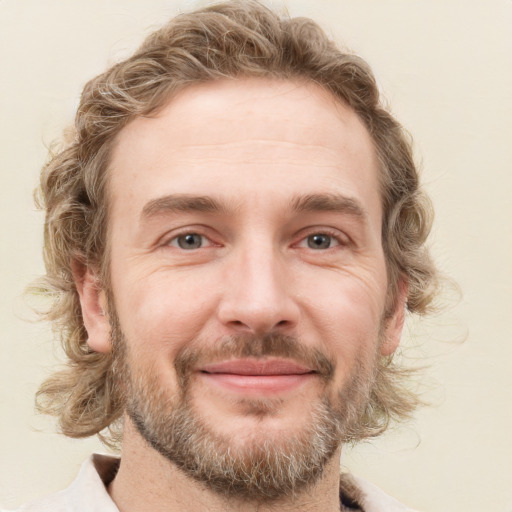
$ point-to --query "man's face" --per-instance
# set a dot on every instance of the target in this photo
(247, 271)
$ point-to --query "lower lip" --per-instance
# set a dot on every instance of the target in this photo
(257, 384)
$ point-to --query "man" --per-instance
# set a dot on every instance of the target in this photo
(232, 239)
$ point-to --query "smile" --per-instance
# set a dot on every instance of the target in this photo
(257, 377)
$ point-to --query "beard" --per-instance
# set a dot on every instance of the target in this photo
(260, 467)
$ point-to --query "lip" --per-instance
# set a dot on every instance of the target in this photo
(259, 367)
(257, 376)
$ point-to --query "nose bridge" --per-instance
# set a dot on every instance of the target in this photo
(260, 273)
(257, 297)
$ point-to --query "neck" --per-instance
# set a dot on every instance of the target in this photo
(147, 481)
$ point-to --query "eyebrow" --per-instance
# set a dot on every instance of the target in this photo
(329, 203)
(185, 203)
(181, 203)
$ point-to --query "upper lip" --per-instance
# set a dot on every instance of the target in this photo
(257, 367)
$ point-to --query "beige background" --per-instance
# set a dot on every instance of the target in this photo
(445, 67)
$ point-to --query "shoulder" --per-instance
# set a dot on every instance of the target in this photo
(368, 497)
(55, 503)
(88, 491)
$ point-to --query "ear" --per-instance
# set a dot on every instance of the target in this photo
(395, 323)
(94, 311)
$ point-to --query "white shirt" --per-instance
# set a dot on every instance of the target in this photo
(88, 492)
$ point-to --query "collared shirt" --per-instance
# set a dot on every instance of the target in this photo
(88, 492)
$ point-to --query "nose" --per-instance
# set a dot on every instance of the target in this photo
(258, 296)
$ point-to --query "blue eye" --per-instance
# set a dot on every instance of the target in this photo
(188, 241)
(320, 241)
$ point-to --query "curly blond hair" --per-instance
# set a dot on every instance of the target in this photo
(224, 41)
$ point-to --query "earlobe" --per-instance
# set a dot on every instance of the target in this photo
(93, 304)
(395, 324)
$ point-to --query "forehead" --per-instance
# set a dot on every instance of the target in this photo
(236, 137)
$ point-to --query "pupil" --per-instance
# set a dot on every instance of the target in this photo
(319, 241)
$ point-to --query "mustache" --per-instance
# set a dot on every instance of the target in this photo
(250, 345)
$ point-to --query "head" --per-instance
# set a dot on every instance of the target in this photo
(226, 56)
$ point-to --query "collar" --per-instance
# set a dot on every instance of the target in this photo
(89, 492)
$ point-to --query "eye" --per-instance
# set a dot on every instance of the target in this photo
(319, 241)
(189, 241)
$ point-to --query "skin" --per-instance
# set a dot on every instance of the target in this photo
(253, 146)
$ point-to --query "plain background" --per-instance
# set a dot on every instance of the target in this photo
(445, 69)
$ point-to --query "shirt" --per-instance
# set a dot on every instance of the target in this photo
(88, 492)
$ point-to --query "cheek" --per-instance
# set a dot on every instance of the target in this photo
(346, 314)
(159, 314)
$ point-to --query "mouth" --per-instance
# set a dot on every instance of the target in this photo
(257, 376)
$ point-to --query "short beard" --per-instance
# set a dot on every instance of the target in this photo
(260, 469)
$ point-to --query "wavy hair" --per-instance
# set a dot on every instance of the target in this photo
(224, 41)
